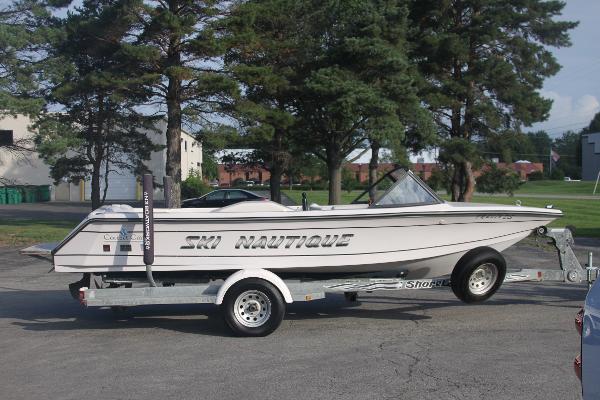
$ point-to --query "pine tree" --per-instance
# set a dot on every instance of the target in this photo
(263, 57)
(22, 55)
(22, 40)
(93, 80)
(179, 46)
(359, 80)
(484, 63)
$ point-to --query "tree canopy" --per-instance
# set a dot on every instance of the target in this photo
(97, 87)
(359, 83)
(484, 62)
(178, 45)
(288, 77)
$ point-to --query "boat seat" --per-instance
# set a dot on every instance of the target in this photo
(315, 206)
(254, 206)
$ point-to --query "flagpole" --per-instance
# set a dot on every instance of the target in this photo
(550, 163)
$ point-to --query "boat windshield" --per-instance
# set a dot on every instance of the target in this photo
(398, 188)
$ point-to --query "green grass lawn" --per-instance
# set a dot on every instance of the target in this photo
(558, 188)
(584, 215)
(26, 232)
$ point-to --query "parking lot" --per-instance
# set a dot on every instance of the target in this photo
(411, 344)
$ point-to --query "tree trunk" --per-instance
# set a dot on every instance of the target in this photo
(173, 163)
(174, 100)
(456, 184)
(106, 171)
(279, 158)
(373, 164)
(96, 185)
(467, 194)
(275, 183)
(334, 170)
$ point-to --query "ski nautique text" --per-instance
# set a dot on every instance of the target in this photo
(271, 242)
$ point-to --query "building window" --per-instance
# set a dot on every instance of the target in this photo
(198, 164)
(6, 138)
(185, 144)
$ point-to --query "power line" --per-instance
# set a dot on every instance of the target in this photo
(577, 71)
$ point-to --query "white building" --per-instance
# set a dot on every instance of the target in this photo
(29, 169)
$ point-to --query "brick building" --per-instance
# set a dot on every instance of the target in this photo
(361, 171)
(230, 173)
(523, 168)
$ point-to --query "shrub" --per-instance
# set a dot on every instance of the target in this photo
(536, 176)
(349, 182)
(557, 174)
(497, 180)
(194, 186)
(438, 180)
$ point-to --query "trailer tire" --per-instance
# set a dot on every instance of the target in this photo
(253, 307)
(478, 275)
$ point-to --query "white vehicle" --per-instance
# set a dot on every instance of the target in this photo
(408, 234)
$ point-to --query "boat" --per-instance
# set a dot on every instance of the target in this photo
(252, 258)
(398, 227)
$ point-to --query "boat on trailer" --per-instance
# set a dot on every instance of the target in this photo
(408, 230)
(253, 257)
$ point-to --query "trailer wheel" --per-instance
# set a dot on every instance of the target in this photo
(253, 307)
(478, 275)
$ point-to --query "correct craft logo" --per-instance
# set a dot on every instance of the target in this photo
(123, 235)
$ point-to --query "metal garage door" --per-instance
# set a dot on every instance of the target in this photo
(121, 186)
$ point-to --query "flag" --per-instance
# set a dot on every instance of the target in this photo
(554, 155)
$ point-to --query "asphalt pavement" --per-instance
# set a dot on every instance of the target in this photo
(406, 345)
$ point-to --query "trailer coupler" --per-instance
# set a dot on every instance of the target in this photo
(571, 270)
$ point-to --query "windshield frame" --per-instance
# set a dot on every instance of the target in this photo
(397, 175)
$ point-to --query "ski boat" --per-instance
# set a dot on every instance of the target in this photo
(407, 230)
(253, 258)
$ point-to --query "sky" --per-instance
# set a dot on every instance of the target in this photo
(575, 90)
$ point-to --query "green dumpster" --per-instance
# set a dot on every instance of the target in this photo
(29, 194)
(2, 195)
(13, 195)
(43, 193)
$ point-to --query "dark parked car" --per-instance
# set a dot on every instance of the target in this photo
(221, 198)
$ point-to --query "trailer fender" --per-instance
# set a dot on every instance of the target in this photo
(254, 273)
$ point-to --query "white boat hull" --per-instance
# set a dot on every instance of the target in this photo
(422, 241)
